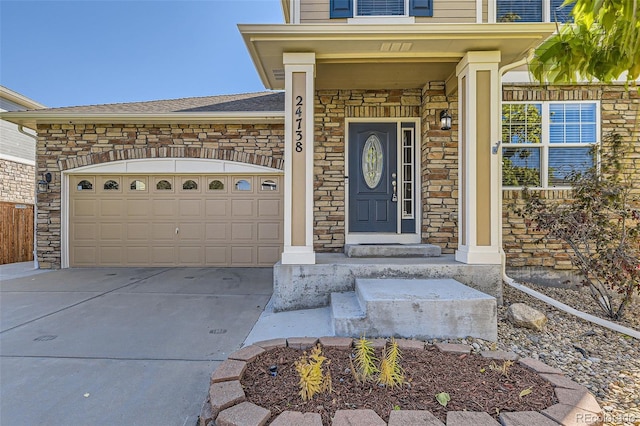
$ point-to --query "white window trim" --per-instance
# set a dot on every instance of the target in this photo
(546, 11)
(545, 143)
(356, 16)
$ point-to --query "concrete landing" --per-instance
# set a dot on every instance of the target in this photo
(310, 286)
(414, 308)
(392, 250)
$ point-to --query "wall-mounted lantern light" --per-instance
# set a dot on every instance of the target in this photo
(43, 184)
(445, 120)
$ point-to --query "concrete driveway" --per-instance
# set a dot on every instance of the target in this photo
(120, 346)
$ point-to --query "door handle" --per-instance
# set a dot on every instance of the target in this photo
(394, 197)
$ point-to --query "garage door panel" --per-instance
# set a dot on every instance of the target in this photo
(217, 231)
(242, 208)
(217, 208)
(84, 232)
(269, 232)
(84, 255)
(224, 222)
(111, 232)
(163, 208)
(137, 255)
(243, 255)
(163, 255)
(242, 231)
(217, 255)
(163, 231)
(269, 208)
(190, 232)
(111, 256)
(190, 208)
(85, 208)
(138, 208)
(138, 231)
(190, 256)
(111, 208)
(268, 255)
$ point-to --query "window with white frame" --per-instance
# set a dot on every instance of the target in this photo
(390, 8)
(544, 142)
(533, 11)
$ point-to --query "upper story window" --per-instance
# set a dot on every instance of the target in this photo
(544, 142)
(533, 11)
(365, 8)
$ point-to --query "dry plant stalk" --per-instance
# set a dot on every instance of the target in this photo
(502, 369)
(391, 373)
(365, 361)
(312, 377)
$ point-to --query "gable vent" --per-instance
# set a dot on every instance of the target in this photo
(395, 47)
(278, 74)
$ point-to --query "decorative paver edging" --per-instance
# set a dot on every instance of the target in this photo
(226, 403)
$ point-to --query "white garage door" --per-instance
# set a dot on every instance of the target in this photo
(175, 220)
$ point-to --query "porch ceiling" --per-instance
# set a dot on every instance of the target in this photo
(353, 56)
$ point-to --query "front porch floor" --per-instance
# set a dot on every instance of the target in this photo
(310, 286)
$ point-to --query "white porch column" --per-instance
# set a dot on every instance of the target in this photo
(299, 69)
(479, 216)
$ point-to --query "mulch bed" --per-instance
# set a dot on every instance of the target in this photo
(427, 373)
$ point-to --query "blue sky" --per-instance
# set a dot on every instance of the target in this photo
(82, 52)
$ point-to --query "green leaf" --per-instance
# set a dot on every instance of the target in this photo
(443, 398)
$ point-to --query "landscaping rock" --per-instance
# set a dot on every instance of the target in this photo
(523, 315)
(290, 418)
(225, 394)
(243, 414)
(466, 418)
(413, 417)
(357, 417)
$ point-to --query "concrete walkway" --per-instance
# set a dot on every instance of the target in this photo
(120, 346)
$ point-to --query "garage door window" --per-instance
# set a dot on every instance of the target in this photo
(163, 185)
(216, 185)
(111, 185)
(190, 185)
(85, 185)
(243, 185)
(138, 185)
(268, 185)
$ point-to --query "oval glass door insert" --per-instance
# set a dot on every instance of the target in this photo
(372, 160)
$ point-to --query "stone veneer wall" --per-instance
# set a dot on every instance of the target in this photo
(618, 113)
(17, 182)
(332, 107)
(439, 169)
(67, 146)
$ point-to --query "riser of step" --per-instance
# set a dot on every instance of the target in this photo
(392, 250)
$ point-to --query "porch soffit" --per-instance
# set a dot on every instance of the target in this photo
(352, 56)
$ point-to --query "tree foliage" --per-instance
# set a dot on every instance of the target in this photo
(601, 224)
(602, 43)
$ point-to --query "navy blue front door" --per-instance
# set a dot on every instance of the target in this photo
(373, 203)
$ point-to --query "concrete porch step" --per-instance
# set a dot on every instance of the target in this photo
(392, 250)
(414, 308)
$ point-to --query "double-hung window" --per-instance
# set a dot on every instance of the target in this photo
(380, 8)
(543, 142)
(533, 11)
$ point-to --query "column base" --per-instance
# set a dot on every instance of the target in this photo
(298, 255)
(479, 255)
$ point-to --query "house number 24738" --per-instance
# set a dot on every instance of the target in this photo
(298, 114)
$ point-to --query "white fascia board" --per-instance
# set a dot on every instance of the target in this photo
(31, 118)
(19, 99)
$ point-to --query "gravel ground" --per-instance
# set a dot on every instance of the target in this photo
(606, 362)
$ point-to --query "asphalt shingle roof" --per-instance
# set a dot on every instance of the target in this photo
(244, 102)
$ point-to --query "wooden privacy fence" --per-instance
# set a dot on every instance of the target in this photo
(16, 232)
